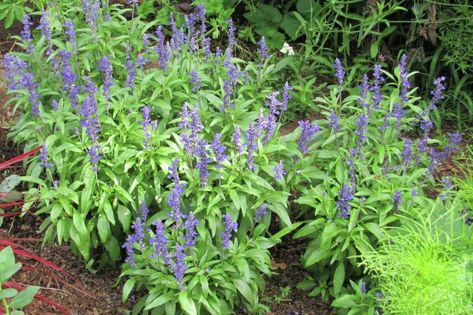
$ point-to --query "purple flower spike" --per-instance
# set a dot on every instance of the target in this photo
(94, 156)
(195, 81)
(236, 138)
(231, 34)
(43, 157)
(160, 243)
(69, 78)
(339, 71)
(375, 89)
(286, 97)
(405, 84)
(345, 195)
(397, 199)
(261, 212)
(191, 234)
(229, 227)
(364, 89)
(174, 199)
(362, 124)
(71, 34)
(203, 161)
(28, 82)
(26, 33)
(437, 93)
(407, 152)
(308, 132)
(279, 171)
(262, 52)
(219, 150)
(44, 28)
(252, 136)
(131, 73)
(106, 68)
(333, 121)
(180, 266)
(146, 110)
(144, 211)
(455, 140)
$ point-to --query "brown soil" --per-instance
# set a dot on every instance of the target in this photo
(288, 272)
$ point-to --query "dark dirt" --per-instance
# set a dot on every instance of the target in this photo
(287, 274)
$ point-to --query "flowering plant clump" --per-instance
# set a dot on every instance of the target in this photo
(122, 101)
(360, 170)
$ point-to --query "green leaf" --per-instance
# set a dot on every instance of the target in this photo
(338, 278)
(160, 300)
(124, 216)
(290, 25)
(187, 304)
(344, 301)
(129, 284)
(243, 287)
(103, 227)
(24, 297)
(316, 256)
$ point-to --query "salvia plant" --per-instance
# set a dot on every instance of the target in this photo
(122, 101)
(363, 169)
(161, 148)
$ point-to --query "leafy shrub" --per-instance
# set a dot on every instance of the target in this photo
(184, 268)
(111, 119)
(424, 267)
(12, 300)
(365, 171)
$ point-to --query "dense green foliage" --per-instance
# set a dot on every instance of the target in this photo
(163, 148)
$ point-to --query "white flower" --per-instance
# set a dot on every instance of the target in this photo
(287, 49)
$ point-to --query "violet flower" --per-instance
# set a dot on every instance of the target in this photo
(219, 150)
(279, 171)
(405, 84)
(375, 89)
(345, 195)
(231, 34)
(174, 198)
(43, 157)
(26, 33)
(191, 235)
(407, 152)
(146, 110)
(236, 138)
(333, 121)
(261, 212)
(308, 132)
(252, 144)
(28, 82)
(286, 97)
(195, 81)
(160, 242)
(69, 78)
(397, 199)
(339, 71)
(229, 227)
(203, 161)
(437, 93)
(105, 67)
(44, 28)
(71, 34)
(180, 266)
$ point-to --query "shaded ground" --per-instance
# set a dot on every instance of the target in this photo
(281, 294)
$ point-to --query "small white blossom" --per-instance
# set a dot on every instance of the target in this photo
(287, 49)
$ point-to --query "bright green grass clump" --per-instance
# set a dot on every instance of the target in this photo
(422, 271)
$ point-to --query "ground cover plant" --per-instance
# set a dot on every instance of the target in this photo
(160, 150)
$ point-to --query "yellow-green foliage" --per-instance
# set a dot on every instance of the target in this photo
(423, 271)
